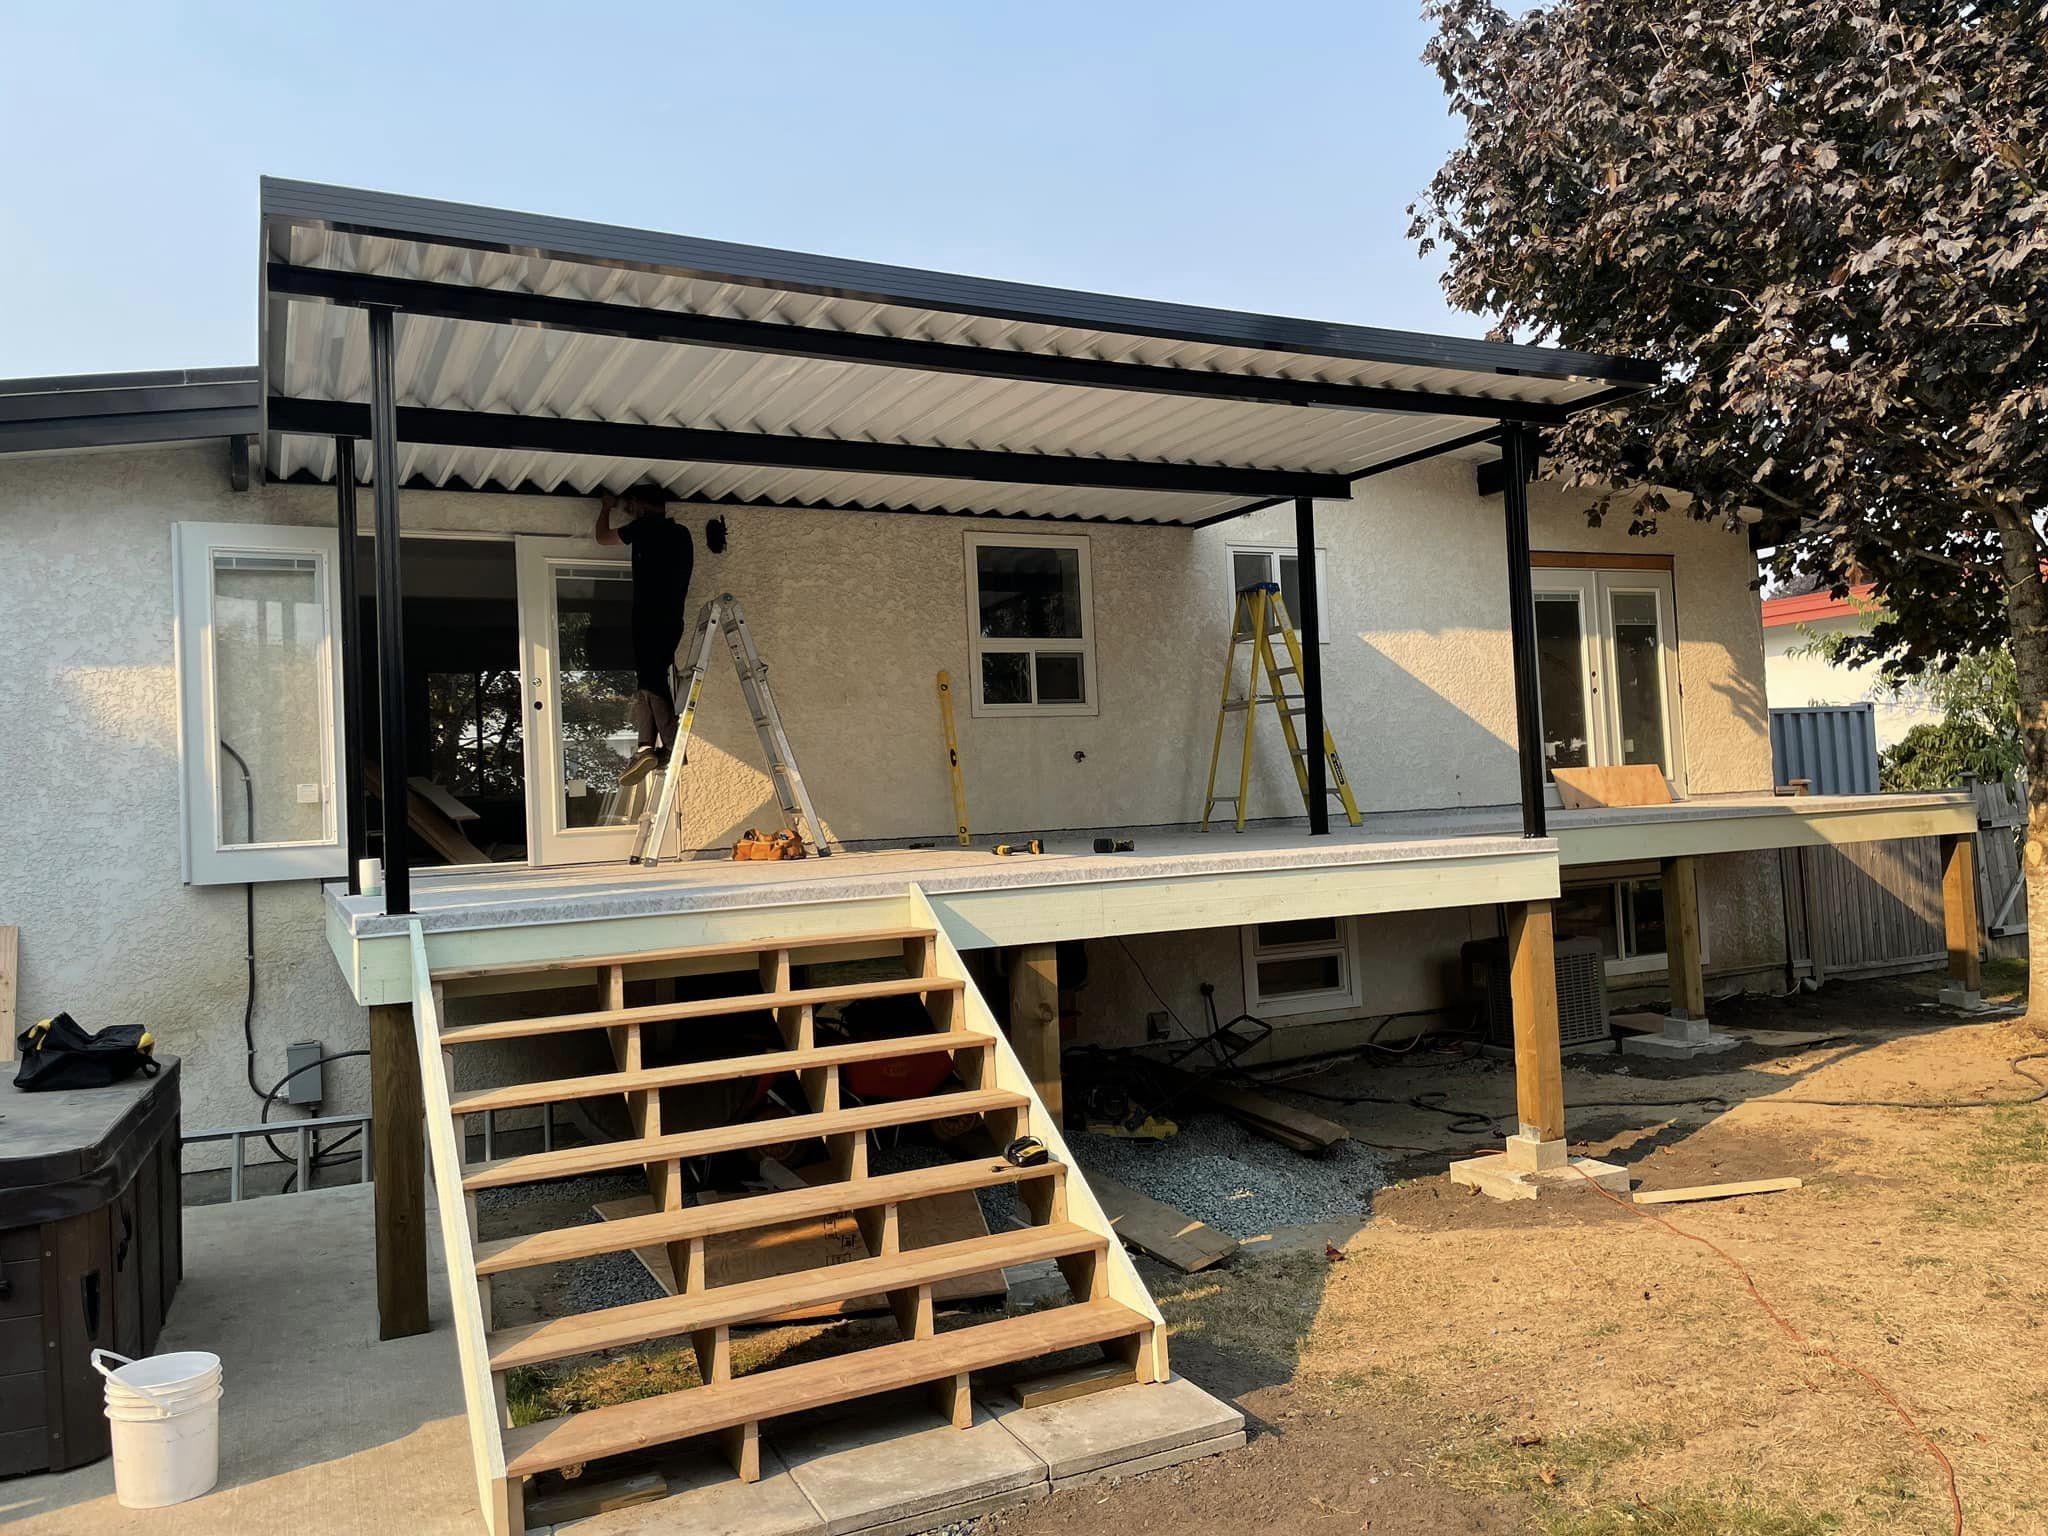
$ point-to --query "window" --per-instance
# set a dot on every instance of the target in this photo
(1281, 563)
(257, 680)
(1607, 669)
(1030, 625)
(1625, 913)
(1306, 965)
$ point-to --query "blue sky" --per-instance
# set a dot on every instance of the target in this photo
(1252, 156)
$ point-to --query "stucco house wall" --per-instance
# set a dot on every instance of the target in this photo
(855, 614)
(1794, 679)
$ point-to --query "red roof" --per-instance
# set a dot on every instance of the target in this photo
(1810, 606)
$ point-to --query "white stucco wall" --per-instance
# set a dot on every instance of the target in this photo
(855, 615)
(1793, 680)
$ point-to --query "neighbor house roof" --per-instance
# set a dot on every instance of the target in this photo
(1810, 607)
(551, 355)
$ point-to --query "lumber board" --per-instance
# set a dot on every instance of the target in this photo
(10, 986)
(1581, 789)
(727, 1306)
(580, 1500)
(738, 950)
(622, 1427)
(696, 1008)
(757, 1252)
(1716, 1191)
(441, 800)
(753, 1212)
(639, 1151)
(1077, 1381)
(685, 1074)
(1302, 1129)
(1169, 1235)
(433, 828)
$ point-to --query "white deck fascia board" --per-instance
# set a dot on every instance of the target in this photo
(1750, 825)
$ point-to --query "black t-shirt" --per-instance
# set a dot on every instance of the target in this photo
(662, 560)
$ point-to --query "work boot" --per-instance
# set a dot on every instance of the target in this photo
(644, 762)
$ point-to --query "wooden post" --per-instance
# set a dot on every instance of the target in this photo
(1959, 916)
(400, 1158)
(1682, 939)
(1539, 1058)
(1035, 1019)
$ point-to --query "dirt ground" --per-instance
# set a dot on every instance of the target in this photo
(1565, 1367)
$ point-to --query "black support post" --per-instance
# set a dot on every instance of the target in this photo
(352, 808)
(1310, 621)
(1517, 457)
(390, 616)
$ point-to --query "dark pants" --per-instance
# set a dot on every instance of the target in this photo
(654, 700)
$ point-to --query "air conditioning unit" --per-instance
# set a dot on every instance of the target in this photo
(1581, 990)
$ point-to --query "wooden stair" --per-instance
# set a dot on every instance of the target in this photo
(987, 1085)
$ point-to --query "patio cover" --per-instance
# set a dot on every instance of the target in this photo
(547, 355)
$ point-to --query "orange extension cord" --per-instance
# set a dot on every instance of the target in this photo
(1955, 1499)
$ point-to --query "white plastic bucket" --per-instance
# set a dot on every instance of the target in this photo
(164, 1415)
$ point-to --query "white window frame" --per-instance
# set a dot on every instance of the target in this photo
(1347, 996)
(1651, 962)
(1595, 591)
(204, 860)
(978, 646)
(1273, 553)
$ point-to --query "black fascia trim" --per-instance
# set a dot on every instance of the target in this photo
(626, 440)
(54, 434)
(88, 383)
(457, 485)
(142, 400)
(634, 322)
(355, 211)
(1399, 461)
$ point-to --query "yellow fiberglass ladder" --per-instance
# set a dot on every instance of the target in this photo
(1261, 613)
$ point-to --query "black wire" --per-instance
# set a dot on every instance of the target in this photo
(322, 1157)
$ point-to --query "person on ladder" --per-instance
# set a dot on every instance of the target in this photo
(663, 556)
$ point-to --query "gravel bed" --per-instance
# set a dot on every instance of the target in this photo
(1235, 1180)
(609, 1279)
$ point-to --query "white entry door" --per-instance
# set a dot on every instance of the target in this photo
(1607, 670)
(576, 686)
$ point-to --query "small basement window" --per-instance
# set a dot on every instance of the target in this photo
(1030, 625)
(1280, 563)
(258, 677)
(1304, 965)
(1625, 914)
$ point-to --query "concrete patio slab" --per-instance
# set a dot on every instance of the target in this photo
(324, 1430)
(893, 1463)
(1110, 1430)
(705, 1499)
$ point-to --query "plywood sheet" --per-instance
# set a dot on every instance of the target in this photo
(1635, 784)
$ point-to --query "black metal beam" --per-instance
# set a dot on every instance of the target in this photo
(637, 322)
(380, 418)
(1385, 466)
(354, 811)
(502, 431)
(1309, 626)
(1518, 454)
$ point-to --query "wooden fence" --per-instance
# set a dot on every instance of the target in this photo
(1874, 909)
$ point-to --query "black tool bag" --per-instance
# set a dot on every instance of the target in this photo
(56, 1053)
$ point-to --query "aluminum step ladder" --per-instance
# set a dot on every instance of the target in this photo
(723, 614)
(1260, 614)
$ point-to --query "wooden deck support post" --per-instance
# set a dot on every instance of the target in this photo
(1959, 919)
(1035, 1020)
(400, 1182)
(1538, 1142)
(1687, 1019)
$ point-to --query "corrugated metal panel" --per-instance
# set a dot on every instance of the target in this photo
(1834, 746)
(314, 351)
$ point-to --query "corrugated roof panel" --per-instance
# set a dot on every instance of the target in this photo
(319, 352)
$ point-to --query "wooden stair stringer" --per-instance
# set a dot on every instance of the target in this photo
(500, 1497)
(1124, 1285)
